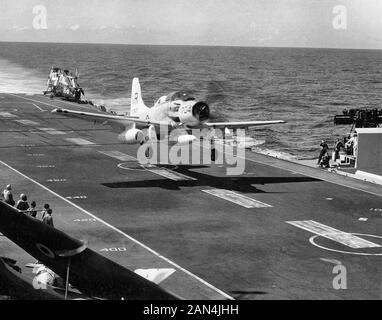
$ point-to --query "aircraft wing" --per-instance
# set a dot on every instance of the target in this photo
(240, 124)
(110, 119)
(90, 272)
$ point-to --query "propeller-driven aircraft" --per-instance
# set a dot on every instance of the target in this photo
(176, 111)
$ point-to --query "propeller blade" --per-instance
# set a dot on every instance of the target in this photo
(215, 94)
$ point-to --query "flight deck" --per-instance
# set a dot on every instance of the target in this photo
(278, 231)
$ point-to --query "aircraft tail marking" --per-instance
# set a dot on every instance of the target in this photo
(137, 104)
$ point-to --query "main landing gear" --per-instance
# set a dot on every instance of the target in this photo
(213, 149)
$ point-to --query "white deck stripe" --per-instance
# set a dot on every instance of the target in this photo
(80, 141)
(344, 238)
(124, 234)
(7, 115)
(39, 108)
(167, 173)
(118, 155)
(27, 122)
(237, 198)
(52, 131)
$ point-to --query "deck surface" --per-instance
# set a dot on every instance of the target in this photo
(276, 232)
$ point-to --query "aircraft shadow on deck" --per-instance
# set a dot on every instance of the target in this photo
(242, 184)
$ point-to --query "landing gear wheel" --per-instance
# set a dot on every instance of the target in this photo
(213, 150)
(213, 154)
(147, 152)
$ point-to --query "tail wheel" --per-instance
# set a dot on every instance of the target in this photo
(213, 154)
(147, 152)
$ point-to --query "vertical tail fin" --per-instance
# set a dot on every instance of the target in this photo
(137, 104)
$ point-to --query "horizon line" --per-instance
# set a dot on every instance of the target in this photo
(192, 45)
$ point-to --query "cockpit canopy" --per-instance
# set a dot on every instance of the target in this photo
(180, 95)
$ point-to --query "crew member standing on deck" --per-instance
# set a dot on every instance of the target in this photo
(48, 218)
(32, 210)
(8, 196)
(324, 150)
(337, 148)
(22, 204)
(45, 211)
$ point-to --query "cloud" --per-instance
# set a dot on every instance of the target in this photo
(74, 27)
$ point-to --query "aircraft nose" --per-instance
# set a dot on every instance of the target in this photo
(201, 111)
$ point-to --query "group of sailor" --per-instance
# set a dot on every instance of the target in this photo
(349, 144)
(23, 206)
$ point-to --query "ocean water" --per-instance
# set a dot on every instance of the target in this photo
(305, 87)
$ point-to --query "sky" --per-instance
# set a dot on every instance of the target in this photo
(291, 23)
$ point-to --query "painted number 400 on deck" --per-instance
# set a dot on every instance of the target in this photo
(113, 249)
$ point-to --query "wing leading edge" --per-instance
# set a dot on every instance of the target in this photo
(240, 124)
